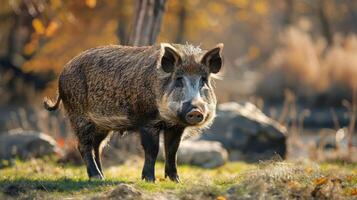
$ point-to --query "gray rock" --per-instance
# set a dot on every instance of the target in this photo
(247, 133)
(207, 154)
(26, 144)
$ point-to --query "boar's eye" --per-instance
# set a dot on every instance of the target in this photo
(203, 81)
(179, 82)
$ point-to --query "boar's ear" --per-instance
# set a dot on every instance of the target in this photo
(213, 59)
(170, 58)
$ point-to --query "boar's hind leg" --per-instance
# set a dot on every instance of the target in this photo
(172, 139)
(86, 135)
(98, 139)
(150, 143)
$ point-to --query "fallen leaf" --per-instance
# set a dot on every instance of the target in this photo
(351, 178)
(293, 184)
(161, 179)
(308, 170)
(353, 192)
(220, 198)
(320, 181)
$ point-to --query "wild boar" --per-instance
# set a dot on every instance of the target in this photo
(162, 88)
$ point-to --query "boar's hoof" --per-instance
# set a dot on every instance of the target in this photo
(173, 177)
(148, 178)
(96, 177)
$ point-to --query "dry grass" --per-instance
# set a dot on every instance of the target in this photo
(283, 180)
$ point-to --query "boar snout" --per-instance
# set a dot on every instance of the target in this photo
(193, 114)
(194, 117)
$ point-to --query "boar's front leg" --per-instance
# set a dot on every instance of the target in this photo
(150, 142)
(172, 139)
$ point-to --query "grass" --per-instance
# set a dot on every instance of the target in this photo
(71, 181)
(46, 179)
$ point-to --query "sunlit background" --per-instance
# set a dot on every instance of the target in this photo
(294, 60)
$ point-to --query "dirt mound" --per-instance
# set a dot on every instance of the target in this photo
(123, 191)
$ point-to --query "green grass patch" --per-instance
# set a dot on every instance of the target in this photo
(53, 179)
(46, 179)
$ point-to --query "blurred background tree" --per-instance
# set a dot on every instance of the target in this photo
(148, 17)
(298, 43)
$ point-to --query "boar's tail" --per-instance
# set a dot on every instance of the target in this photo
(49, 105)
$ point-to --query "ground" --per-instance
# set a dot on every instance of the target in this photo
(46, 179)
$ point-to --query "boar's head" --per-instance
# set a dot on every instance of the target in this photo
(186, 94)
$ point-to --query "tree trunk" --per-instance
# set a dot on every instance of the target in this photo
(181, 28)
(325, 23)
(147, 22)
